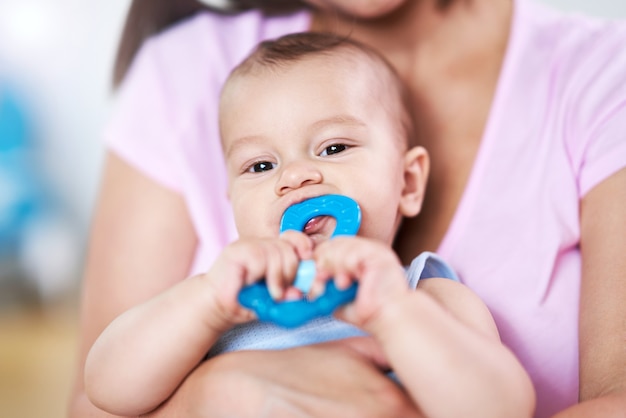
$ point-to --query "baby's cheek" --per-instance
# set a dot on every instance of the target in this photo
(256, 225)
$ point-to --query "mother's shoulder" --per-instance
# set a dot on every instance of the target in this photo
(225, 38)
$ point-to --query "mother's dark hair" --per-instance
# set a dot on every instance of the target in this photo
(147, 17)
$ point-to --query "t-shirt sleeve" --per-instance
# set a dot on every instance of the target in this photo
(428, 265)
(606, 151)
(598, 135)
(141, 129)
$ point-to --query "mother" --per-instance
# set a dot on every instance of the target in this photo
(524, 113)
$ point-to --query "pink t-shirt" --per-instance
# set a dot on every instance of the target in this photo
(557, 128)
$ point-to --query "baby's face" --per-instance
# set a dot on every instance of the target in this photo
(317, 127)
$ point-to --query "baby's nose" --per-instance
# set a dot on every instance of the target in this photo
(296, 175)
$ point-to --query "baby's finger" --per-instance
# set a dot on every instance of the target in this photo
(243, 315)
(341, 254)
(290, 263)
(274, 274)
(252, 257)
(301, 242)
(343, 280)
(318, 286)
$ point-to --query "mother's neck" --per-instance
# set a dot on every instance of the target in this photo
(423, 30)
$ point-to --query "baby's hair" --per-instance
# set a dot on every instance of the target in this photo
(286, 50)
(293, 47)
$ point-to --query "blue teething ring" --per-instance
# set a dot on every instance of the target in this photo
(295, 313)
(345, 211)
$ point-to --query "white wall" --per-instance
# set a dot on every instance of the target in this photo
(603, 8)
(60, 54)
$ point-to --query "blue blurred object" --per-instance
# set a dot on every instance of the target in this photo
(294, 313)
(21, 194)
(38, 241)
(14, 128)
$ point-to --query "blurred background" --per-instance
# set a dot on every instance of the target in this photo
(56, 59)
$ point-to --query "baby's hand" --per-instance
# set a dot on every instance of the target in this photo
(247, 261)
(372, 264)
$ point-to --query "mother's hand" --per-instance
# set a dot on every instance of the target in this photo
(335, 379)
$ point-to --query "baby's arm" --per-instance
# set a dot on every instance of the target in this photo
(145, 353)
(440, 340)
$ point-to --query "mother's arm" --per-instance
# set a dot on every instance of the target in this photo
(602, 308)
(142, 242)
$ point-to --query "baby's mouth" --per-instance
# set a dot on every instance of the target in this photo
(320, 228)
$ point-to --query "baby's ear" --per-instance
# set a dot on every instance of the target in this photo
(416, 166)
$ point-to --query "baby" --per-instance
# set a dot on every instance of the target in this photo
(304, 116)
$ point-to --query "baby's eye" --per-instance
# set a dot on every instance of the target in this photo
(260, 167)
(333, 149)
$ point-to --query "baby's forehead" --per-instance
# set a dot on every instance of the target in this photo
(343, 71)
(349, 64)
